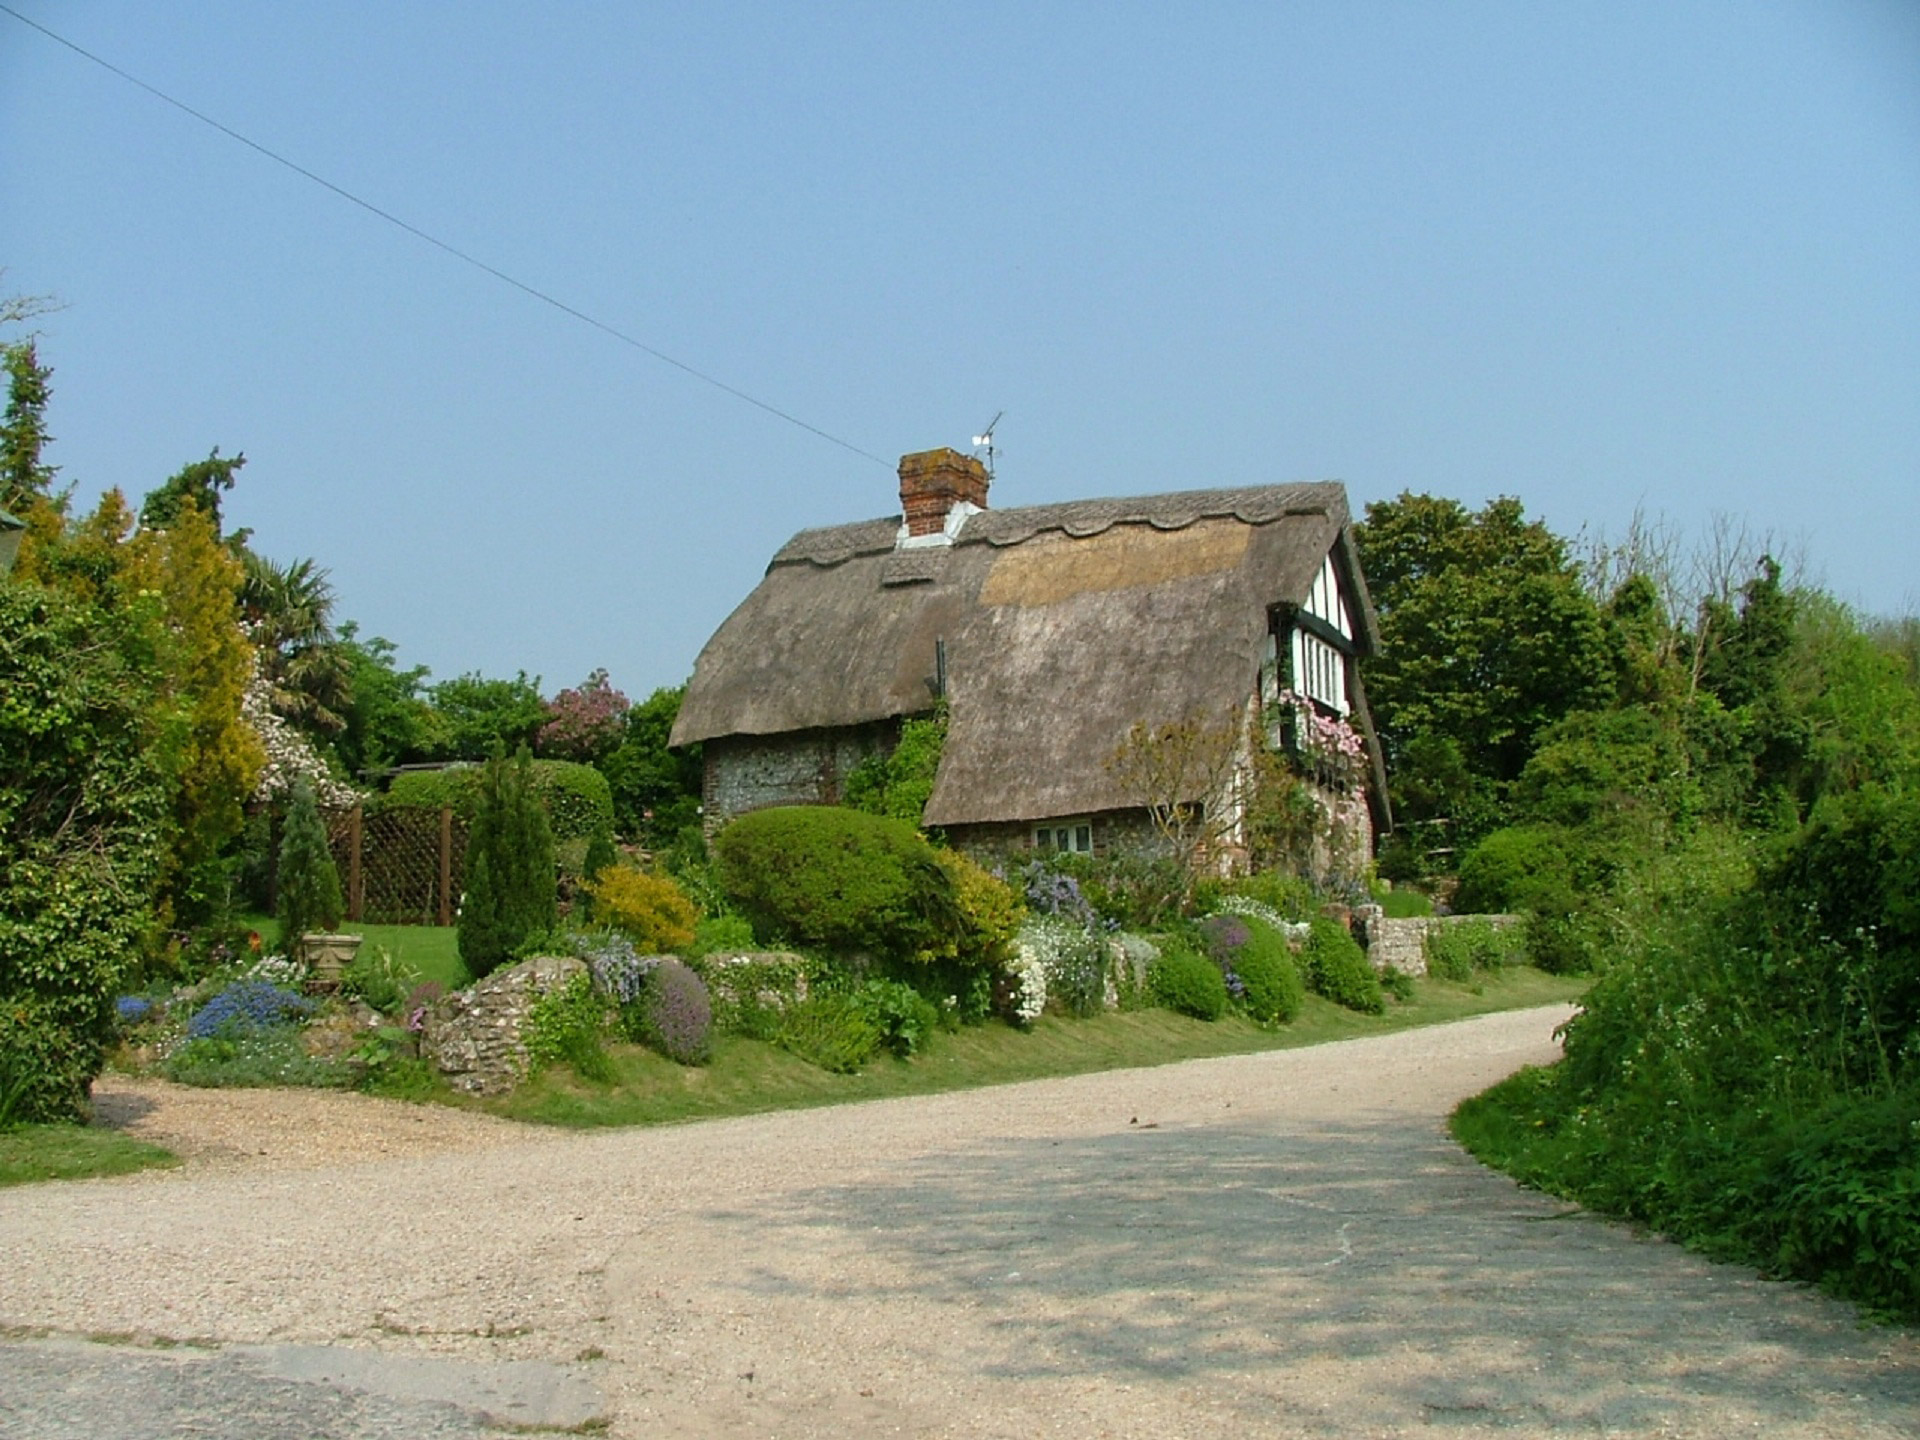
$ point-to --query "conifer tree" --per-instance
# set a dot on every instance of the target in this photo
(309, 880)
(510, 896)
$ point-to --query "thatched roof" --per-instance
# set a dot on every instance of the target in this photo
(1063, 626)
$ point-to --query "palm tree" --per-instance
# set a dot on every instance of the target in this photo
(289, 613)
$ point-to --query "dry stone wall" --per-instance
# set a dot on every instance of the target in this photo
(475, 1036)
(1402, 944)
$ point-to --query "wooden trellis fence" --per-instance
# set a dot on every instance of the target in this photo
(399, 866)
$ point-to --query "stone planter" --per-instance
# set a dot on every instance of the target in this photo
(327, 956)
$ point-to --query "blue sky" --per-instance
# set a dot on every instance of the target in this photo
(1598, 256)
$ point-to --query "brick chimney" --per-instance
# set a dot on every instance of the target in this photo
(933, 482)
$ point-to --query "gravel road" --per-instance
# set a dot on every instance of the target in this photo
(1282, 1244)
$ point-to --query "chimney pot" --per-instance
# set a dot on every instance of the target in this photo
(932, 482)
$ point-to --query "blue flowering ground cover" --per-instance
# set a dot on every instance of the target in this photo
(248, 1006)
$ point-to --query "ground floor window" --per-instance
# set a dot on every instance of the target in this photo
(1073, 837)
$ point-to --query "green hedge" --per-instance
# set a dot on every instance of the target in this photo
(846, 882)
(577, 798)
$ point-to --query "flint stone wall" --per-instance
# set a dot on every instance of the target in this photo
(473, 1036)
(1402, 944)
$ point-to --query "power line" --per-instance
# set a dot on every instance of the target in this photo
(414, 230)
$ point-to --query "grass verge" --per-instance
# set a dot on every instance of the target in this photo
(748, 1076)
(72, 1152)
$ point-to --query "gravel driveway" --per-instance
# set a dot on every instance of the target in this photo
(1277, 1244)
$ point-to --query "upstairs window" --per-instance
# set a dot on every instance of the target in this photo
(1321, 641)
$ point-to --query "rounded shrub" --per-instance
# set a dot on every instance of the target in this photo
(677, 1014)
(1189, 983)
(1255, 954)
(838, 879)
(651, 910)
(1337, 968)
(1523, 867)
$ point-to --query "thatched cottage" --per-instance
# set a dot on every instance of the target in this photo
(1051, 631)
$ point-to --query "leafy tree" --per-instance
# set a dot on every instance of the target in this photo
(197, 486)
(510, 891)
(472, 716)
(656, 791)
(586, 724)
(83, 801)
(309, 881)
(387, 718)
(204, 663)
(1487, 638)
(24, 477)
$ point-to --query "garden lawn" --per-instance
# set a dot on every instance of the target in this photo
(68, 1152)
(431, 952)
(747, 1076)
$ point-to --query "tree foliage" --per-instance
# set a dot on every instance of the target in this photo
(83, 805)
(24, 477)
(510, 869)
(900, 782)
(587, 723)
(309, 884)
(1487, 638)
(656, 791)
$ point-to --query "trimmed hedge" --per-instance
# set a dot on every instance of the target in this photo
(847, 882)
(577, 799)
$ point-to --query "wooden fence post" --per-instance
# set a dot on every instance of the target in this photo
(356, 887)
(446, 864)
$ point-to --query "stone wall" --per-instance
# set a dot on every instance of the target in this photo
(473, 1036)
(1402, 944)
(808, 767)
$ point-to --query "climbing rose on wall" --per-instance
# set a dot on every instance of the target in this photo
(586, 724)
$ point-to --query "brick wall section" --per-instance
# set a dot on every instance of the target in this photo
(1402, 944)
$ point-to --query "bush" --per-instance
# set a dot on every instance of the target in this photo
(575, 798)
(1456, 951)
(1288, 896)
(901, 1016)
(1524, 867)
(510, 874)
(651, 910)
(1130, 890)
(677, 1015)
(1073, 961)
(847, 882)
(1256, 955)
(1189, 983)
(831, 1030)
(375, 978)
(1337, 968)
(567, 1025)
(721, 935)
(309, 881)
(752, 996)
(83, 797)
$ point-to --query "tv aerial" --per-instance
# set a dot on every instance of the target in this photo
(985, 439)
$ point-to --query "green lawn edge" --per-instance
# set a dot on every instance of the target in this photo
(32, 1153)
(749, 1077)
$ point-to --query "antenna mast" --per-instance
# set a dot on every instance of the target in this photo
(985, 438)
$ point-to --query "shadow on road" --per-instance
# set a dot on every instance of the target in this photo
(1194, 1254)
